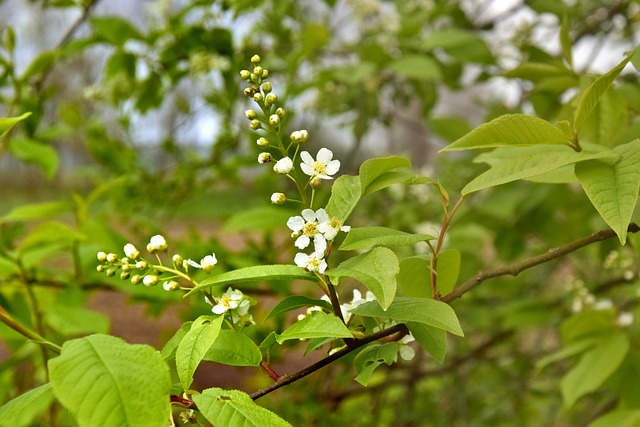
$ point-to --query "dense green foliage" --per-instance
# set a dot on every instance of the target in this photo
(484, 207)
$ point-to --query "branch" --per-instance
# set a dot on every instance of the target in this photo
(518, 267)
(28, 333)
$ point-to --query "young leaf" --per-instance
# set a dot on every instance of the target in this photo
(448, 270)
(6, 124)
(373, 356)
(415, 277)
(369, 237)
(21, 411)
(263, 218)
(396, 177)
(42, 155)
(376, 270)
(418, 67)
(373, 168)
(114, 30)
(420, 310)
(295, 302)
(432, 339)
(256, 273)
(195, 345)
(169, 350)
(104, 381)
(36, 211)
(510, 130)
(565, 40)
(233, 408)
(345, 194)
(591, 96)
(613, 188)
(318, 324)
(235, 349)
(594, 367)
(618, 418)
(511, 164)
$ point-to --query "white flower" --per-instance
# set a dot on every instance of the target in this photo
(603, 304)
(322, 167)
(313, 262)
(624, 319)
(406, 352)
(330, 227)
(356, 301)
(206, 263)
(305, 227)
(283, 166)
(157, 243)
(150, 280)
(131, 251)
(227, 301)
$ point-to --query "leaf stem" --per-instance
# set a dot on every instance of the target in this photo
(28, 333)
(448, 217)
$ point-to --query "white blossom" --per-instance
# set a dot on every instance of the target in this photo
(157, 243)
(314, 262)
(331, 226)
(283, 166)
(131, 251)
(406, 352)
(305, 228)
(205, 264)
(625, 319)
(322, 167)
(227, 301)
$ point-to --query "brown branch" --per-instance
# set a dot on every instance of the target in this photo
(518, 267)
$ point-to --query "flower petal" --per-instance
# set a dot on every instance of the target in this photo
(302, 242)
(301, 259)
(295, 223)
(324, 155)
(309, 215)
(306, 158)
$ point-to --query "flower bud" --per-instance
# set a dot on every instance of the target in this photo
(131, 252)
(274, 120)
(262, 142)
(255, 59)
(265, 73)
(245, 74)
(266, 86)
(100, 268)
(257, 70)
(136, 279)
(102, 256)
(177, 259)
(255, 124)
(111, 272)
(315, 182)
(257, 97)
(299, 136)
(126, 267)
(171, 285)
(278, 198)
(251, 114)
(125, 275)
(283, 166)
(157, 243)
(150, 280)
(141, 265)
(270, 99)
(264, 157)
(111, 258)
(280, 112)
(249, 91)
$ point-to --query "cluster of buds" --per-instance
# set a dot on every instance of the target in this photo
(138, 270)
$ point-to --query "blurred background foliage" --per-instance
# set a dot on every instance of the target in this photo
(138, 128)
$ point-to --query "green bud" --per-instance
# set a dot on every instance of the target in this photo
(266, 87)
(100, 268)
(125, 275)
(141, 265)
(265, 73)
(270, 99)
(315, 182)
(255, 59)
(245, 74)
(280, 112)
(102, 256)
(177, 259)
(258, 97)
(249, 91)
(111, 272)
(274, 120)
(111, 258)
(255, 124)
(262, 142)
(136, 279)
(258, 71)
(251, 114)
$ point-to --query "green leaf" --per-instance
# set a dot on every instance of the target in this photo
(420, 310)
(511, 164)
(104, 381)
(295, 302)
(168, 352)
(432, 339)
(6, 124)
(570, 350)
(21, 411)
(233, 408)
(345, 195)
(591, 96)
(235, 349)
(42, 155)
(537, 71)
(464, 45)
(618, 418)
(50, 232)
(510, 130)
(42, 62)
(415, 277)
(195, 345)
(447, 270)
(256, 273)
(389, 178)
(373, 356)
(565, 40)
(373, 168)
(417, 67)
(114, 30)
(317, 324)
(369, 237)
(613, 188)
(36, 211)
(376, 270)
(264, 218)
(594, 367)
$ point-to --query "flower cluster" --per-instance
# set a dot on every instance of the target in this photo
(236, 303)
(139, 270)
(317, 227)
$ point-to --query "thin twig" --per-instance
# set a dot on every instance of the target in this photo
(518, 267)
